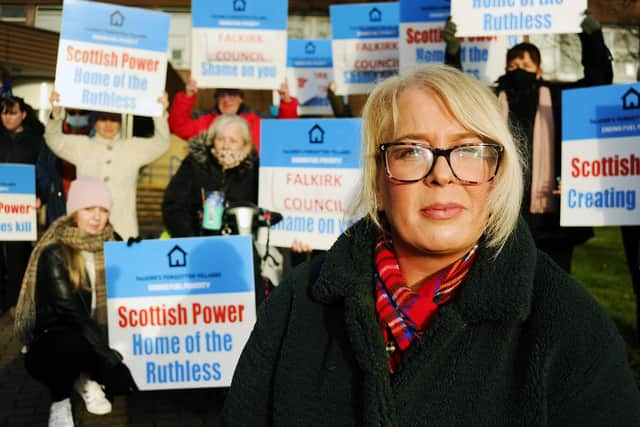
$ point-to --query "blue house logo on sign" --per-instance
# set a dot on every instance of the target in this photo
(375, 15)
(631, 100)
(310, 48)
(116, 19)
(177, 257)
(239, 5)
(316, 135)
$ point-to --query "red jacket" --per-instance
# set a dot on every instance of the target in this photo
(181, 123)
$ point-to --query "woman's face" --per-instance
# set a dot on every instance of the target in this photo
(229, 138)
(229, 103)
(92, 219)
(107, 128)
(437, 216)
(12, 118)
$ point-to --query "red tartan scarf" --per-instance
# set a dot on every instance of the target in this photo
(404, 314)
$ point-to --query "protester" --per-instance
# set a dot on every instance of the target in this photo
(111, 157)
(533, 106)
(437, 306)
(222, 159)
(20, 142)
(62, 308)
(227, 101)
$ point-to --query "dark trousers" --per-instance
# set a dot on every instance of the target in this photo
(58, 358)
(14, 257)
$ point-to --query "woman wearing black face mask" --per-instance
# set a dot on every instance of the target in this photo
(533, 106)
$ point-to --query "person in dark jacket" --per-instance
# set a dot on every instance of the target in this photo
(61, 313)
(534, 108)
(436, 308)
(222, 159)
(20, 142)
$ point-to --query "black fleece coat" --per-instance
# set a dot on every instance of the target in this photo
(521, 345)
(199, 173)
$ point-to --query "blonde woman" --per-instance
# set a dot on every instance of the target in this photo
(436, 308)
(61, 313)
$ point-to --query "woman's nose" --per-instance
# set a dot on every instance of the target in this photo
(441, 173)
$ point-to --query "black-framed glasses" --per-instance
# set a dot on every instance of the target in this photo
(469, 163)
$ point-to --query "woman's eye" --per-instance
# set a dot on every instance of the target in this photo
(408, 153)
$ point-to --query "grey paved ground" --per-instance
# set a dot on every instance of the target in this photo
(25, 402)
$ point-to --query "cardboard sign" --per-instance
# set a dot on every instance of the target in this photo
(421, 24)
(309, 177)
(601, 156)
(181, 310)
(112, 58)
(309, 73)
(365, 45)
(509, 17)
(18, 202)
(239, 43)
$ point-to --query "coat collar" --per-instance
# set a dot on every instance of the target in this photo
(497, 288)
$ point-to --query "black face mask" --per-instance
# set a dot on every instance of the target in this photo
(518, 79)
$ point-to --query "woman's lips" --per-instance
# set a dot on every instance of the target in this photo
(442, 210)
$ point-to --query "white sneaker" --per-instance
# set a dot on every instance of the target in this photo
(60, 414)
(93, 396)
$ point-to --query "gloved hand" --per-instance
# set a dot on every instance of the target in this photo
(449, 36)
(589, 24)
(133, 240)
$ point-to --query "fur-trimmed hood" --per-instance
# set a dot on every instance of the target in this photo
(200, 150)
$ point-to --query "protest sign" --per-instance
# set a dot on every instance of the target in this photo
(309, 177)
(309, 73)
(365, 45)
(17, 202)
(112, 58)
(180, 310)
(600, 156)
(510, 17)
(239, 44)
(421, 24)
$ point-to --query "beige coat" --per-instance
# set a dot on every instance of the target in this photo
(117, 161)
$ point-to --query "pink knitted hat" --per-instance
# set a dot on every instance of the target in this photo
(86, 192)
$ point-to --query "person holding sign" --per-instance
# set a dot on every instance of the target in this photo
(111, 157)
(222, 159)
(436, 308)
(62, 308)
(533, 106)
(20, 142)
(227, 101)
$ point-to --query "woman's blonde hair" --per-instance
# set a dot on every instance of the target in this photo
(470, 103)
(221, 121)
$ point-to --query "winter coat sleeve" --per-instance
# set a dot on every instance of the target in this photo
(596, 59)
(72, 148)
(590, 382)
(180, 121)
(146, 150)
(250, 399)
(288, 110)
(179, 209)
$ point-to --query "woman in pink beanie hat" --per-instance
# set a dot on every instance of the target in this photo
(61, 313)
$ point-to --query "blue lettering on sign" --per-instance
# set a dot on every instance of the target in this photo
(609, 198)
(182, 371)
(266, 72)
(295, 223)
(213, 69)
(355, 77)
(6, 227)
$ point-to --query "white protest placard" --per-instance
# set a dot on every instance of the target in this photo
(180, 310)
(17, 202)
(600, 156)
(112, 58)
(509, 17)
(309, 177)
(421, 24)
(238, 43)
(309, 73)
(365, 45)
